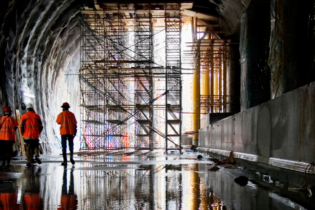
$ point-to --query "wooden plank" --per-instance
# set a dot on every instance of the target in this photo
(18, 118)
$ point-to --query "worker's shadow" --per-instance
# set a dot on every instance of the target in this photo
(68, 197)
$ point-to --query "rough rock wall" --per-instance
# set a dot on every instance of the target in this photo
(39, 47)
(254, 52)
(233, 80)
(231, 12)
(291, 45)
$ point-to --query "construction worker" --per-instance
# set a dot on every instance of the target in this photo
(31, 127)
(68, 130)
(8, 126)
(68, 197)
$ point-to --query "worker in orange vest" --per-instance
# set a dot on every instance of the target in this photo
(8, 126)
(68, 199)
(68, 130)
(31, 127)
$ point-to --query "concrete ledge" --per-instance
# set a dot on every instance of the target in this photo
(281, 163)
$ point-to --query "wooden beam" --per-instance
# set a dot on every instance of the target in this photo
(18, 118)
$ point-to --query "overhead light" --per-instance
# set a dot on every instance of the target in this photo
(28, 95)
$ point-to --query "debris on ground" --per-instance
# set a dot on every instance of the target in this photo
(304, 188)
(199, 157)
(215, 160)
(194, 148)
(230, 159)
(214, 168)
(229, 167)
(241, 180)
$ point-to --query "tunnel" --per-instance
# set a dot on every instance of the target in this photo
(173, 100)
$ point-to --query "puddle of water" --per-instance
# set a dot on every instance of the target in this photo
(133, 183)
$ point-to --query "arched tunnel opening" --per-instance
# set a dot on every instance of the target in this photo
(207, 89)
(41, 49)
(45, 47)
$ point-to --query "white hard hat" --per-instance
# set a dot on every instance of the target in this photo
(29, 106)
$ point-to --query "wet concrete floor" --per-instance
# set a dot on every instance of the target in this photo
(152, 181)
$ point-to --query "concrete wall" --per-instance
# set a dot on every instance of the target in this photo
(280, 128)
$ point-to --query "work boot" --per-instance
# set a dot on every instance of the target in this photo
(3, 159)
(64, 163)
(8, 161)
(71, 157)
(38, 160)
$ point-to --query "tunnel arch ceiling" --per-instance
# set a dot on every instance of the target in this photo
(39, 48)
(40, 53)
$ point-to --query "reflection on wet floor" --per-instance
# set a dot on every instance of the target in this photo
(134, 182)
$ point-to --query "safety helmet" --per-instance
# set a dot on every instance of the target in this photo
(65, 105)
(29, 106)
(7, 109)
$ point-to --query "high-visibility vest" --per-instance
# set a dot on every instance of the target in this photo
(8, 125)
(68, 123)
(31, 125)
(68, 202)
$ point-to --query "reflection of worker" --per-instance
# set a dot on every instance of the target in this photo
(8, 196)
(68, 199)
(31, 126)
(8, 126)
(68, 130)
(32, 199)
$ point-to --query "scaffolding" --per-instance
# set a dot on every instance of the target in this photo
(173, 70)
(118, 75)
(144, 84)
(213, 61)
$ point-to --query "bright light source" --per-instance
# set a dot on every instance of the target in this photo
(28, 95)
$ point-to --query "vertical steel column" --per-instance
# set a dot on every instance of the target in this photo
(225, 78)
(82, 140)
(144, 83)
(173, 86)
(205, 81)
(196, 99)
(180, 80)
(212, 76)
(151, 85)
(220, 80)
(166, 83)
(104, 109)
